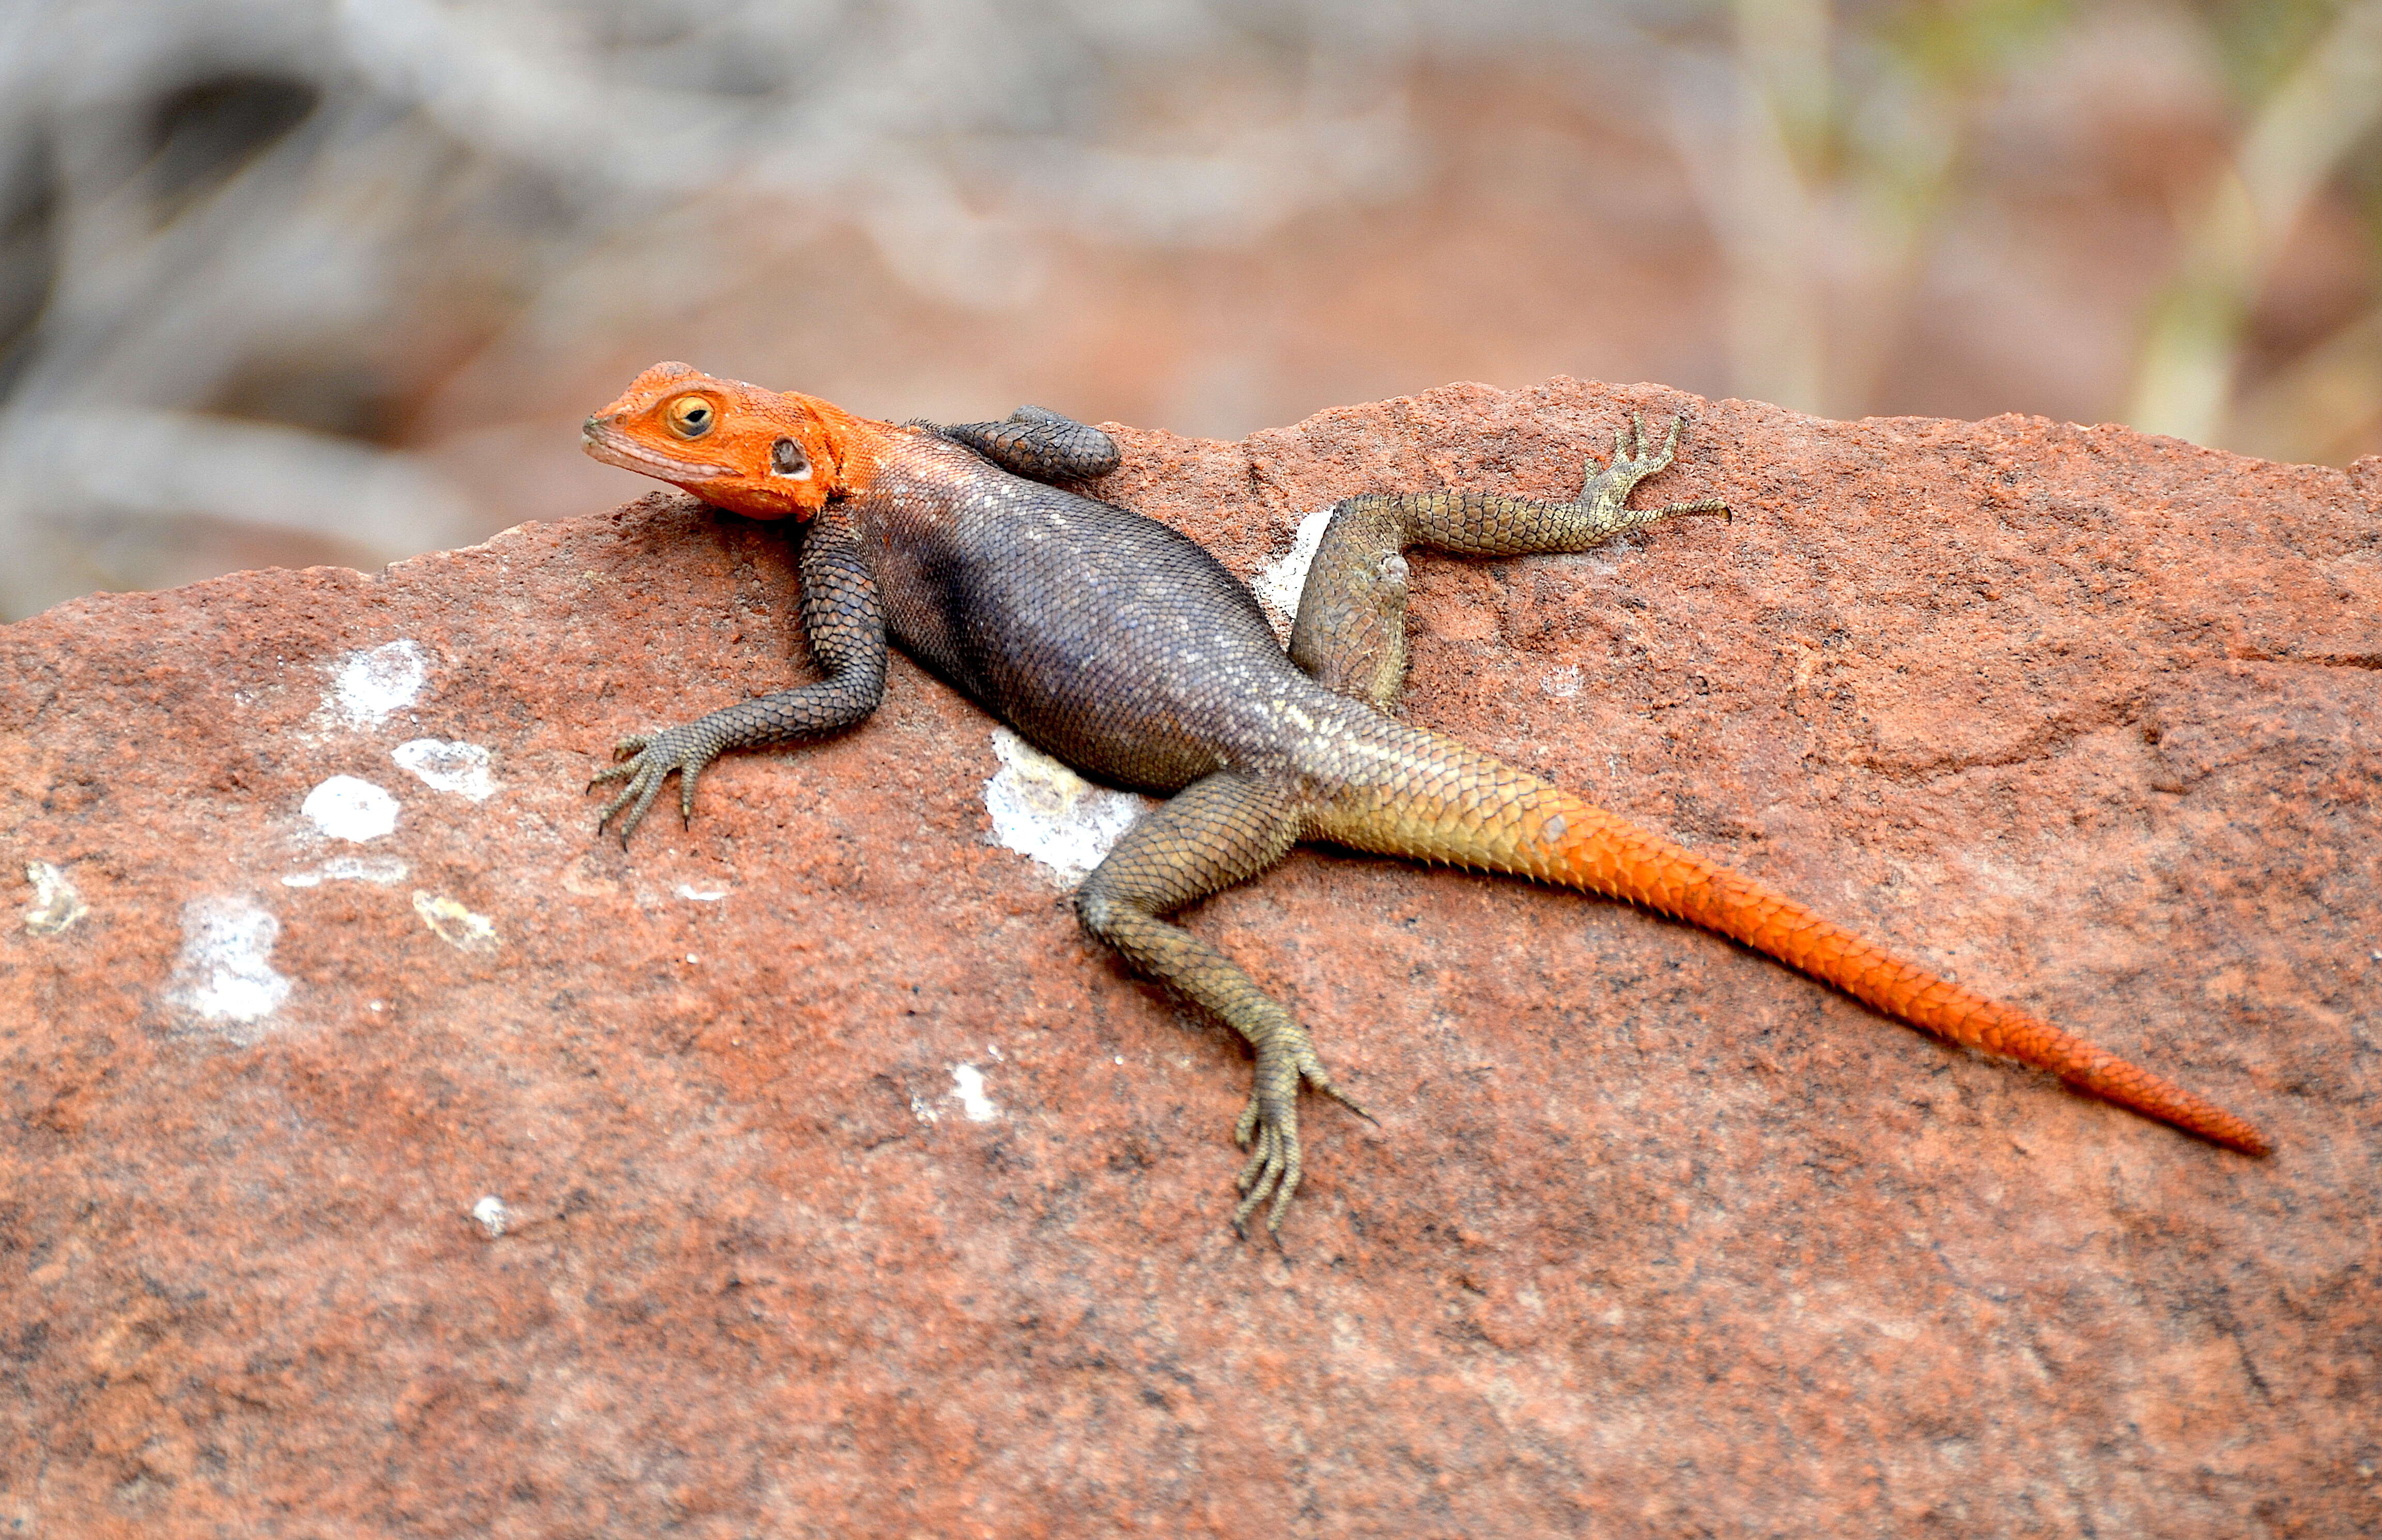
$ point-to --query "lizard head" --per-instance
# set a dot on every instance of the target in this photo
(761, 453)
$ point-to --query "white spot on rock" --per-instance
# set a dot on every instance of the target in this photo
(454, 925)
(493, 1215)
(346, 808)
(380, 869)
(461, 768)
(225, 975)
(701, 894)
(1046, 812)
(924, 1110)
(1563, 683)
(967, 1083)
(369, 685)
(1279, 583)
(56, 904)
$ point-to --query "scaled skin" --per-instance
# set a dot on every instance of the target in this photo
(1122, 648)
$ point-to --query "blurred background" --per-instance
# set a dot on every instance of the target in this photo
(297, 281)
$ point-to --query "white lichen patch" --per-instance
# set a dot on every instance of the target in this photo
(1279, 583)
(1046, 812)
(493, 1215)
(967, 1088)
(454, 925)
(346, 808)
(369, 686)
(375, 868)
(225, 975)
(461, 768)
(1562, 683)
(56, 904)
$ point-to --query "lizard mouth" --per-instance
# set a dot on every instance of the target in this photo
(614, 448)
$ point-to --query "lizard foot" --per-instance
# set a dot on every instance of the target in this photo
(1269, 1130)
(1607, 488)
(646, 762)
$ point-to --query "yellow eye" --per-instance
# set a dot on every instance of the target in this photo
(691, 417)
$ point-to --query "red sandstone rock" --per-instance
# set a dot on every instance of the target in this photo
(808, 1173)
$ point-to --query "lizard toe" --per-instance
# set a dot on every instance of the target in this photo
(1310, 1070)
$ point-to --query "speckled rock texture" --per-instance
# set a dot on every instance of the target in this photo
(388, 1155)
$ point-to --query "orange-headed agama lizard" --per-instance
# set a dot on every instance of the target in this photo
(1126, 650)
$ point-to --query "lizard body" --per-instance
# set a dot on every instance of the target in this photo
(1127, 651)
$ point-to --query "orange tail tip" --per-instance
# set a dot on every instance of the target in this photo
(1598, 851)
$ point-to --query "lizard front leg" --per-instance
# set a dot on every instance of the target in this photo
(1351, 632)
(846, 628)
(1214, 833)
(1039, 442)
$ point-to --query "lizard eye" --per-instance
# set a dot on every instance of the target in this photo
(786, 458)
(691, 417)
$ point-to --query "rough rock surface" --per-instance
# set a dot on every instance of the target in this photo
(385, 1155)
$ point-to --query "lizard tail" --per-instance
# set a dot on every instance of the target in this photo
(1455, 804)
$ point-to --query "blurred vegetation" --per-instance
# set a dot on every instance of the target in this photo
(303, 280)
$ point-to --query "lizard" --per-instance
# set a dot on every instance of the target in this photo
(1126, 650)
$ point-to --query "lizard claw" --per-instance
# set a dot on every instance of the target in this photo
(646, 762)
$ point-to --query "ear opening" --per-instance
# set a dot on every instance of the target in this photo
(787, 460)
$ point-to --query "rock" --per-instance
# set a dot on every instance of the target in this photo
(402, 1159)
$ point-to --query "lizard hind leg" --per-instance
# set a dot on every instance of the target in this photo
(1351, 631)
(1222, 830)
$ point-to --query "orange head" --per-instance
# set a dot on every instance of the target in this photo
(762, 453)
